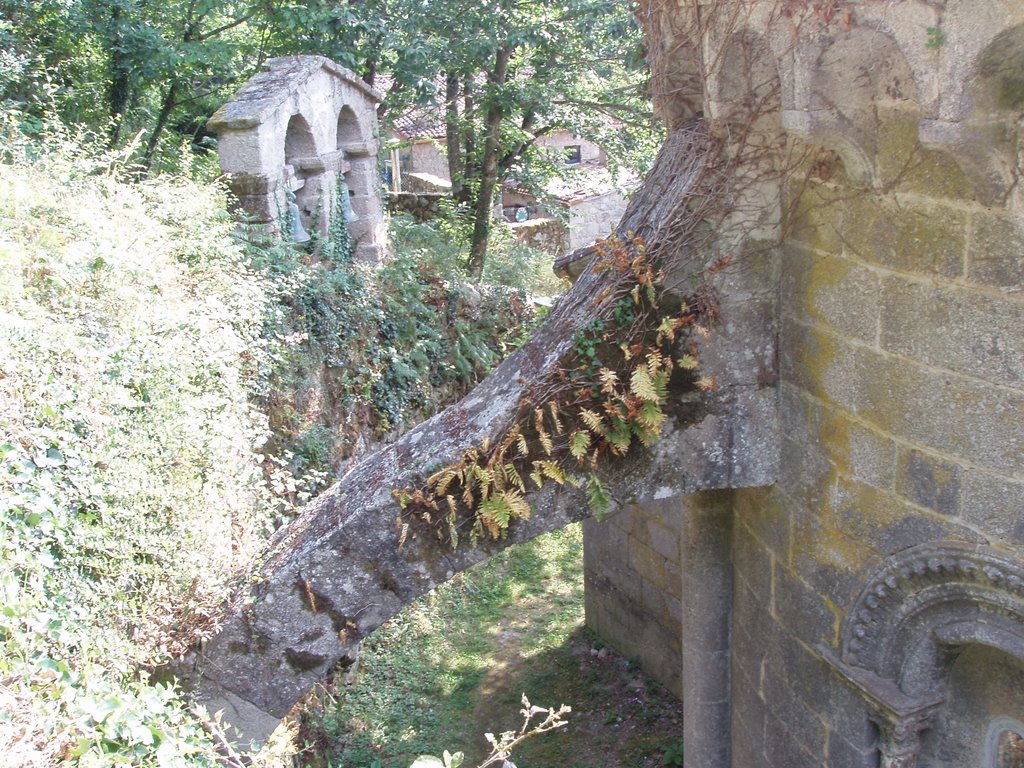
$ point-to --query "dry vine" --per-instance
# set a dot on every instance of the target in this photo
(649, 291)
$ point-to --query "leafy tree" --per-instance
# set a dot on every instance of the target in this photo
(512, 72)
(504, 72)
(129, 65)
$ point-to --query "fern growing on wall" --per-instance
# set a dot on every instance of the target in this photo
(608, 397)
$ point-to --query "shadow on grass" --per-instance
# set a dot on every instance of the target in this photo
(454, 665)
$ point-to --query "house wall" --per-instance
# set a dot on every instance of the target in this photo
(594, 217)
(901, 399)
(589, 151)
(426, 157)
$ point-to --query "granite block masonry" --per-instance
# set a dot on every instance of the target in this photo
(865, 609)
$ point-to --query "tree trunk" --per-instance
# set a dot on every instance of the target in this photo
(489, 168)
(170, 100)
(120, 79)
(452, 131)
(169, 103)
(468, 140)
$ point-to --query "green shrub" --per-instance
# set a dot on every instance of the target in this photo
(170, 392)
(362, 351)
(130, 484)
(444, 245)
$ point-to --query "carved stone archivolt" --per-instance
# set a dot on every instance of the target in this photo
(910, 622)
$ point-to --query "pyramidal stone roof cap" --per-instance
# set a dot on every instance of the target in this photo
(267, 90)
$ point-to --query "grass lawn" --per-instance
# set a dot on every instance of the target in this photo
(453, 666)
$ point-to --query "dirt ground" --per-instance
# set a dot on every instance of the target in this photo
(621, 718)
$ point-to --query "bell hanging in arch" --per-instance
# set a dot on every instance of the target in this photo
(298, 233)
(346, 203)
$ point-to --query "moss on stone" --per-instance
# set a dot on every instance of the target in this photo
(1001, 69)
(903, 164)
(926, 239)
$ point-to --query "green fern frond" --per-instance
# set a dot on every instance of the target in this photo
(579, 444)
(512, 477)
(519, 507)
(688, 363)
(453, 531)
(650, 416)
(620, 437)
(495, 514)
(597, 497)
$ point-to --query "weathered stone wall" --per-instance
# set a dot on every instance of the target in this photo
(548, 235)
(294, 135)
(594, 217)
(633, 586)
(901, 401)
(422, 206)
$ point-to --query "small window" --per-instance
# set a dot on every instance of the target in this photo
(573, 154)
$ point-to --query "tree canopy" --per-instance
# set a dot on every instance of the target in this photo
(513, 71)
(504, 72)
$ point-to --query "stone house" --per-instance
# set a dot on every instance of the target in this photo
(582, 206)
(575, 210)
(828, 564)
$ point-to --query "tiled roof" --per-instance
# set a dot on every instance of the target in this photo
(418, 122)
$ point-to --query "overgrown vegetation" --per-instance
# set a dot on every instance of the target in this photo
(170, 393)
(363, 352)
(130, 483)
(139, 344)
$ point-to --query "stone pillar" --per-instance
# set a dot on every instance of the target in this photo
(258, 194)
(706, 565)
(364, 188)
